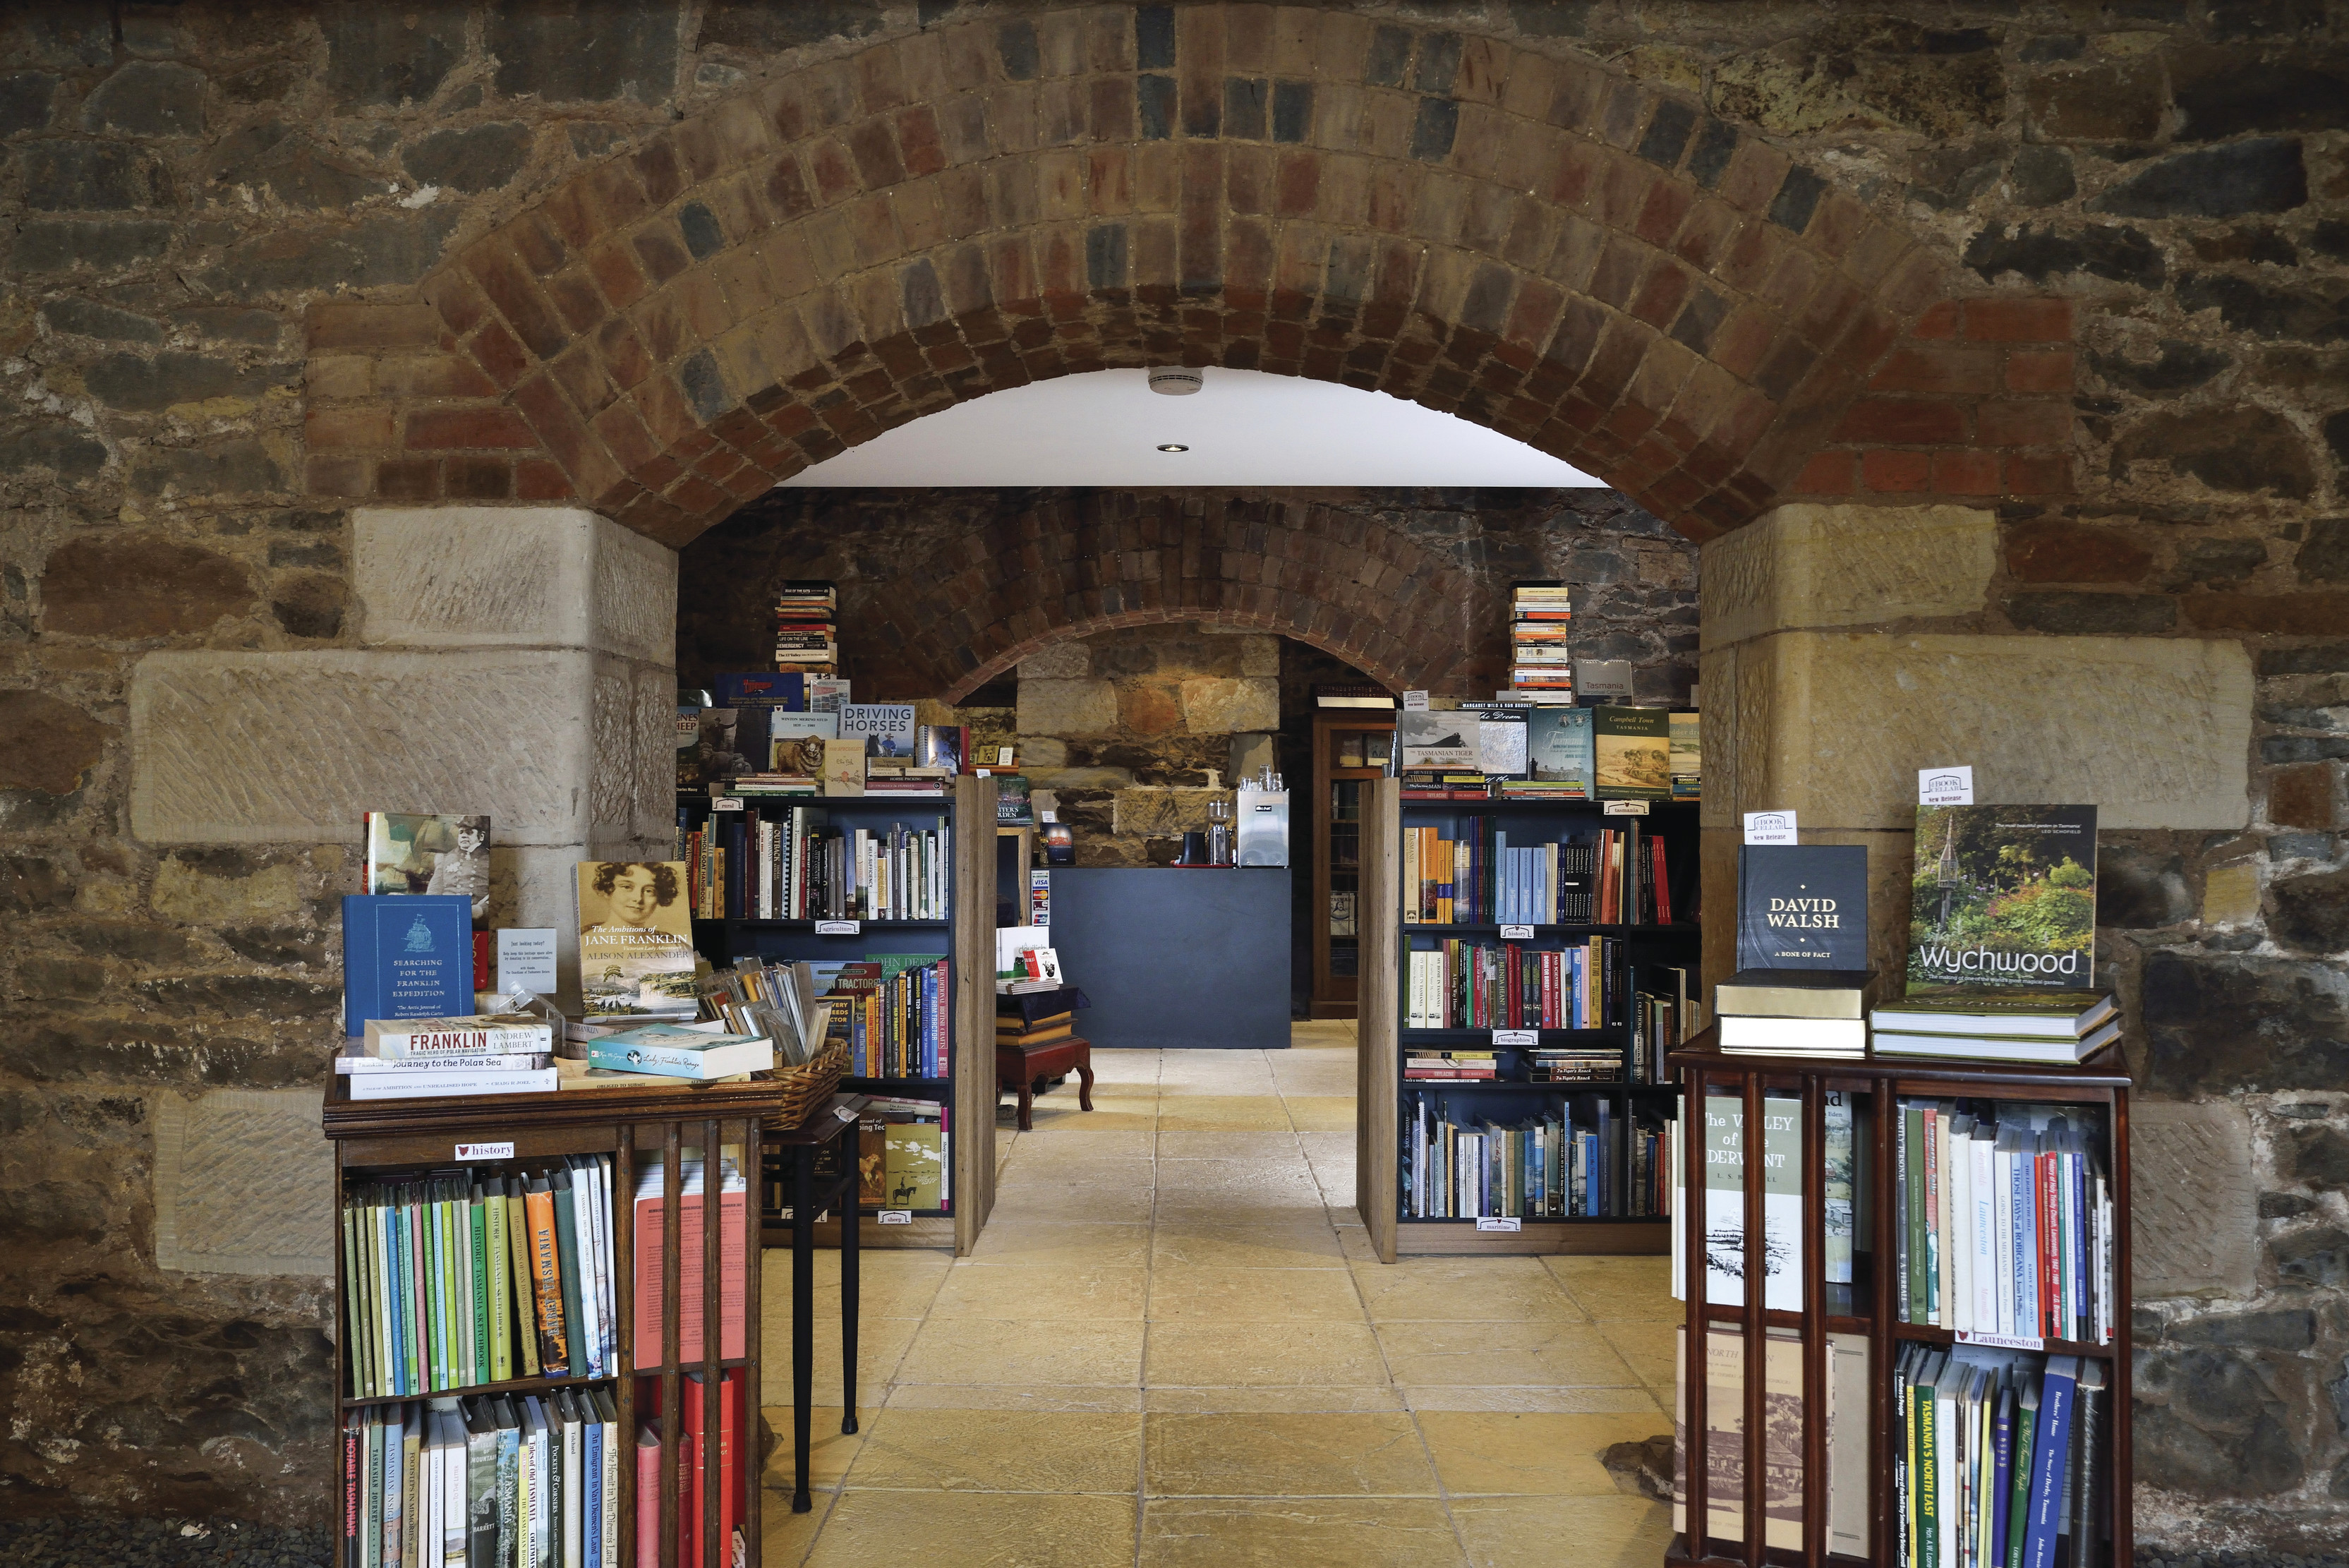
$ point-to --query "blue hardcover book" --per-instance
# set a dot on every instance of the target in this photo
(1802, 906)
(406, 955)
(2050, 1453)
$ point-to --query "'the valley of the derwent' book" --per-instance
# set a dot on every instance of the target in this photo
(2003, 896)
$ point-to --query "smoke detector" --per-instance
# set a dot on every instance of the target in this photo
(1177, 380)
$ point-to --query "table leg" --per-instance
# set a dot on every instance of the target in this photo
(1027, 1105)
(852, 1251)
(1084, 1083)
(802, 1317)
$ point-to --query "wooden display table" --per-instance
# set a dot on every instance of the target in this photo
(1019, 1067)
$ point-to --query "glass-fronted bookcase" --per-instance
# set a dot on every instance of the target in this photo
(1350, 750)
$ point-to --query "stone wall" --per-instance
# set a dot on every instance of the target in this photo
(216, 223)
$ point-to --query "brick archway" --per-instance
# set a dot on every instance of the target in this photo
(1521, 238)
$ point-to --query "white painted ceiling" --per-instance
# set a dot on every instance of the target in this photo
(1244, 426)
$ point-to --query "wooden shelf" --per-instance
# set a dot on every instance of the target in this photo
(1688, 929)
(511, 1386)
(869, 925)
(1878, 1087)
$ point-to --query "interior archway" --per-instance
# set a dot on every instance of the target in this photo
(1531, 242)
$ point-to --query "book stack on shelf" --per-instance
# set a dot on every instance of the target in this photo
(901, 1148)
(1579, 1160)
(1037, 1017)
(807, 638)
(1803, 982)
(498, 1479)
(417, 1058)
(2019, 1025)
(1540, 668)
(2002, 1457)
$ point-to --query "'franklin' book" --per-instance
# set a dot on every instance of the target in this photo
(406, 957)
(1802, 906)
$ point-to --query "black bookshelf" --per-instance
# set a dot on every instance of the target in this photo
(1642, 1096)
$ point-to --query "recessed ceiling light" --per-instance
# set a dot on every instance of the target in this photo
(1172, 446)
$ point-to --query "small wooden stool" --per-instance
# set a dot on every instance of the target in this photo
(1019, 1067)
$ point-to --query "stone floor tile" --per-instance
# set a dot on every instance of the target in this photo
(1620, 1289)
(976, 1530)
(1499, 1354)
(1259, 1145)
(1515, 1452)
(1627, 1401)
(1023, 1243)
(787, 1536)
(1294, 1243)
(1651, 1349)
(1180, 1293)
(1100, 1399)
(1000, 1450)
(1340, 1399)
(1074, 1200)
(1273, 1355)
(1093, 1291)
(1262, 1454)
(1458, 1290)
(1298, 1532)
(830, 1450)
(1080, 1143)
(1608, 1531)
(881, 1343)
(1024, 1352)
(1322, 1113)
(890, 1282)
(1223, 1113)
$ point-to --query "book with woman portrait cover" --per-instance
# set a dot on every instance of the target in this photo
(635, 939)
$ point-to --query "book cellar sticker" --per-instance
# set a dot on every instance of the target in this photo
(725, 803)
(1770, 827)
(1518, 1037)
(486, 1151)
(897, 1217)
(1500, 1222)
(1414, 701)
(839, 928)
(1627, 808)
(1516, 933)
(1945, 786)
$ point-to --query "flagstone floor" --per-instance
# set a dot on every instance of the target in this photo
(1173, 1347)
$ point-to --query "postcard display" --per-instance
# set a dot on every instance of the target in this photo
(1808, 1391)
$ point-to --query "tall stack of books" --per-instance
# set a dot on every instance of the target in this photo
(1540, 668)
(418, 1058)
(1803, 983)
(807, 638)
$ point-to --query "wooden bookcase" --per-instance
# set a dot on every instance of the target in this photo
(1343, 780)
(966, 936)
(1385, 1093)
(1877, 1086)
(380, 1139)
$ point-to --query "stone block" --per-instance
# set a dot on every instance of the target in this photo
(479, 577)
(241, 1176)
(1161, 812)
(2195, 1198)
(2230, 894)
(1070, 661)
(1253, 752)
(1221, 705)
(258, 748)
(1058, 707)
(1809, 566)
(1834, 725)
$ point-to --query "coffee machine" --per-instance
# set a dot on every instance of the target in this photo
(1262, 809)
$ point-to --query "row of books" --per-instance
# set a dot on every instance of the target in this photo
(497, 1480)
(1456, 983)
(1823, 1014)
(2002, 1461)
(2004, 1224)
(1612, 877)
(1467, 750)
(464, 1277)
(1538, 1065)
(792, 865)
(1664, 1014)
(1541, 665)
(1784, 1267)
(1783, 1413)
(1567, 1162)
(807, 634)
(895, 1013)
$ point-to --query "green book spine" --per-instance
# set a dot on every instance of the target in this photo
(566, 1245)
(444, 1352)
(479, 1223)
(1909, 1451)
(351, 1304)
(378, 1352)
(501, 1282)
(409, 1235)
(428, 1283)
(1912, 1120)
(2018, 1506)
(518, 1268)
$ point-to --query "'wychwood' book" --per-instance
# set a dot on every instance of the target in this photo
(1802, 906)
(2003, 896)
(635, 939)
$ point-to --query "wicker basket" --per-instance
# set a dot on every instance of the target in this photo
(811, 1083)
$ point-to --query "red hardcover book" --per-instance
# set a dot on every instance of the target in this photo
(648, 1495)
(651, 1223)
(1661, 883)
(692, 1468)
(2050, 1249)
(1517, 984)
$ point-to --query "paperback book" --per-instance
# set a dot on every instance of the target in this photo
(444, 855)
(1633, 747)
(1559, 749)
(635, 939)
(2003, 896)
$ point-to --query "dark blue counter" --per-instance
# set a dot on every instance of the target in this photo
(1172, 958)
